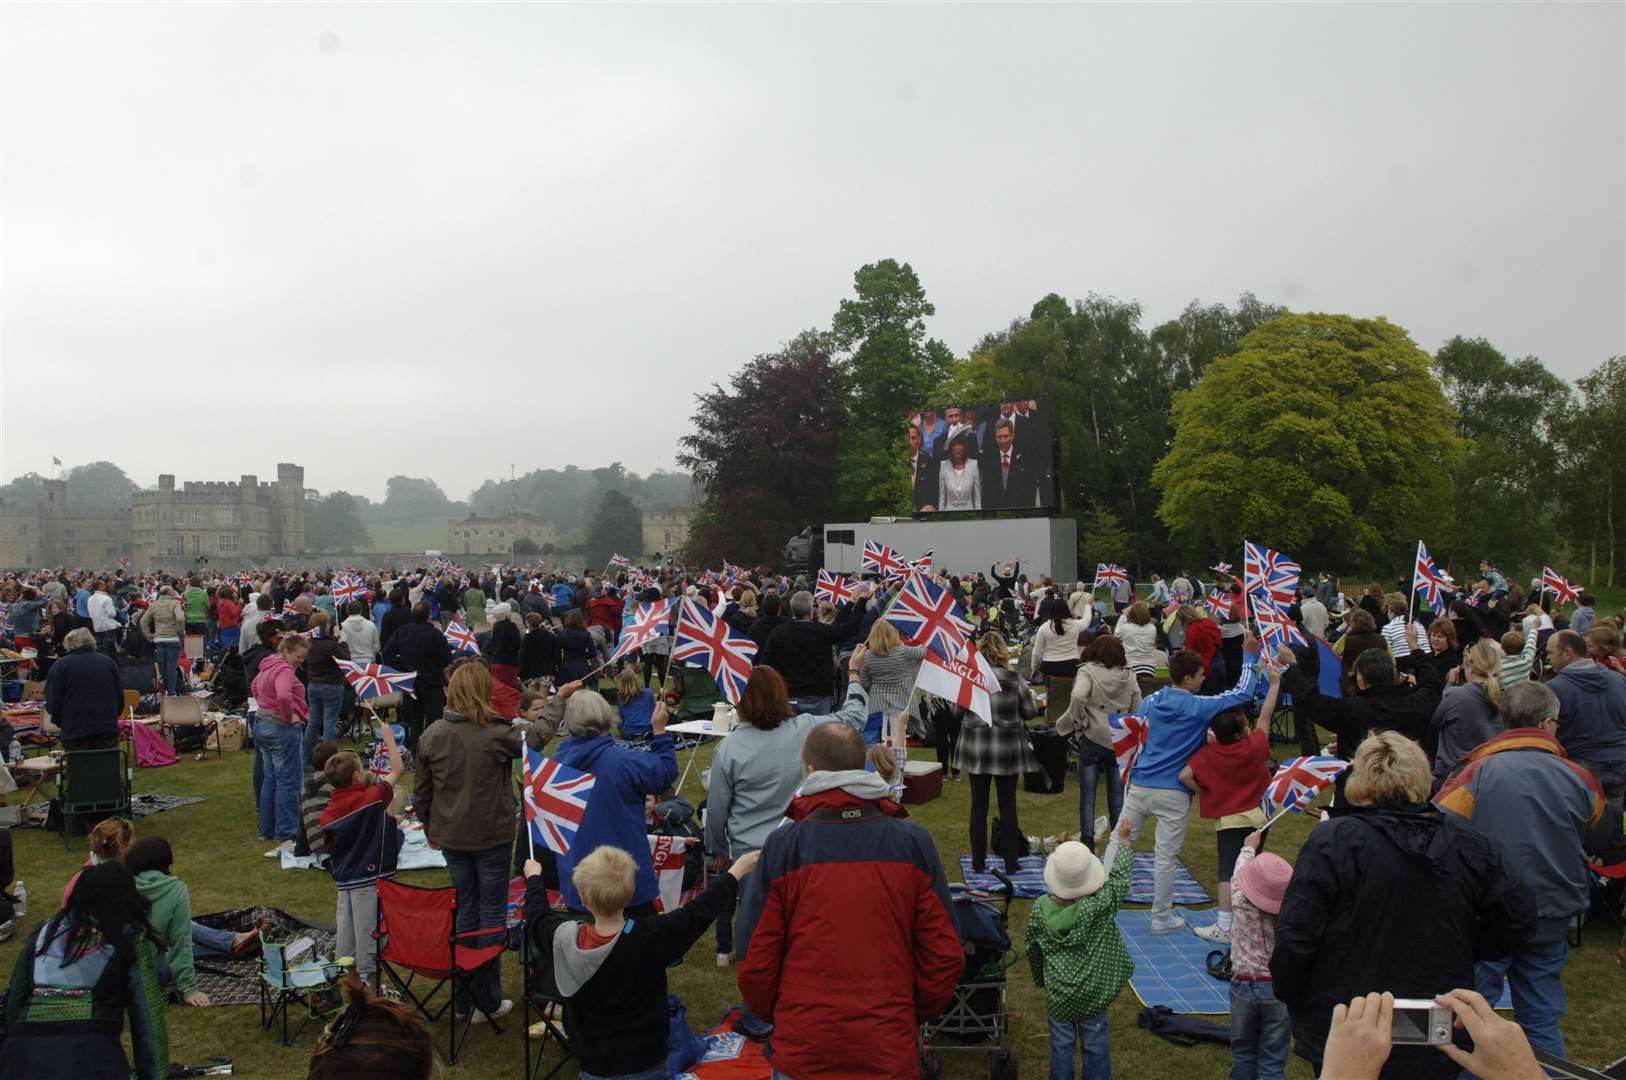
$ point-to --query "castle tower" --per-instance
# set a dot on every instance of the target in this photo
(288, 499)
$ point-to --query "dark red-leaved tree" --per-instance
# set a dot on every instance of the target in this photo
(765, 454)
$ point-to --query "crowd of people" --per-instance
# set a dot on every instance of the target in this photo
(1487, 751)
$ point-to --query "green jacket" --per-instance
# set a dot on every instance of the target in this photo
(171, 916)
(1077, 954)
(197, 604)
(474, 606)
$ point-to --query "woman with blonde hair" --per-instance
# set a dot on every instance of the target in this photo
(1391, 892)
(996, 755)
(1139, 636)
(1468, 712)
(888, 676)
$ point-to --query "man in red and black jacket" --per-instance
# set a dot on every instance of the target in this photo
(854, 902)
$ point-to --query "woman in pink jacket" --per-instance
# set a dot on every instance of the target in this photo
(280, 712)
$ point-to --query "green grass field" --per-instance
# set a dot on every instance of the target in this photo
(219, 857)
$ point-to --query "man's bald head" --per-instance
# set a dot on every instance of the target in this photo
(833, 747)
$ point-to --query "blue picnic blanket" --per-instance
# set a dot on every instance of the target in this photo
(1029, 881)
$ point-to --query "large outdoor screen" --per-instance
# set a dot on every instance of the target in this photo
(988, 456)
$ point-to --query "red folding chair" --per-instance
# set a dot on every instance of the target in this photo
(417, 931)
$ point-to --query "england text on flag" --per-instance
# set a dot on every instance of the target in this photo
(969, 682)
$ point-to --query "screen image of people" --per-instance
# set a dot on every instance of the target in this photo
(981, 457)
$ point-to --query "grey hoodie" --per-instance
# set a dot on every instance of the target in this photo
(1099, 691)
(1592, 712)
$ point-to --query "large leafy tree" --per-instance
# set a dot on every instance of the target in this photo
(413, 496)
(765, 453)
(1593, 481)
(1325, 436)
(1509, 413)
(100, 485)
(617, 528)
(891, 368)
(333, 523)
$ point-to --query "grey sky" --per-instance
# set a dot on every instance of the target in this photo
(440, 239)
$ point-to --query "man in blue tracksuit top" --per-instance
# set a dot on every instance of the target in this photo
(1177, 722)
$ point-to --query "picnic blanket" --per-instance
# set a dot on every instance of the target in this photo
(237, 982)
(416, 854)
(146, 804)
(729, 1056)
(1029, 881)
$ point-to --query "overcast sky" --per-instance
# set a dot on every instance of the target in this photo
(440, 239)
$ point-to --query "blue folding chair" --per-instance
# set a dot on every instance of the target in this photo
(282, 985)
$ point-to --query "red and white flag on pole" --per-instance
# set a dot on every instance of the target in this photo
(668, 854)
(969, 681)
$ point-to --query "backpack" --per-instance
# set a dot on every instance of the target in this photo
(1168, 1025)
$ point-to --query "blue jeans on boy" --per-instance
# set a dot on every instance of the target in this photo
(1536, 976)
(1097, 764)
(481, 881)
(1260, 1032)
(279, 746)
(324, 700)
(169, 663)
(1067, 1037)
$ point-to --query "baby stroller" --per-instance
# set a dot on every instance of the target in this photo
(977, 1020)
(230, 685)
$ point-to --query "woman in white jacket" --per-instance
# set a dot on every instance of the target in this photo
(1104, 686)
(1139, 636)
(1054, 651)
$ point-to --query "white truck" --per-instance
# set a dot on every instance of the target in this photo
(1042, 545)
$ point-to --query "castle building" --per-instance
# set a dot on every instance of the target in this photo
(666, 532)
(496, 535)
(49, 533)
(231, 523)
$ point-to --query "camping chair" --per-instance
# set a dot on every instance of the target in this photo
(417, 932)
(91, 783)
(183, 711)
(283, 984)
(1058, 696)
(543, 1007)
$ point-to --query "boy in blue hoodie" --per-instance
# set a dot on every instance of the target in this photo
(1177, 720)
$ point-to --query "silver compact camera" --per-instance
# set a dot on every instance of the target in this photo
(1421, 1022)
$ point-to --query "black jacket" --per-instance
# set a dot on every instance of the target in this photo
(84, 695)
(577, 653)
(765, 625)
(505, 643)
(1021, 490)
(539, 654)
(1395, 897)
(419, 647)
(395, 618)
(1401, 708)
(800, 652)
(617, 1017)
(252, 659)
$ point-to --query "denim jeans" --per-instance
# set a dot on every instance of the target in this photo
(324, 700)
(253, 719)
(1068, 1037)
(279, 790)
(481, 881)
(169, 663)
(1260, 1032)
(1096, 764)
(816, 704)
(1536, 975)
(207, 941)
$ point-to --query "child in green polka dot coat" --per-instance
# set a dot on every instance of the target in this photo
(1076, 952)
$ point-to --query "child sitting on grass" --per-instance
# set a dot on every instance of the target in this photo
(1076, 952)
(363, 843)
(1230, 775)
(314, 800)
(1260, 1027)
(613, 969)
(637, 704)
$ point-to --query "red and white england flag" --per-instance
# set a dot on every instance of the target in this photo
(668, 853)
(968, 682)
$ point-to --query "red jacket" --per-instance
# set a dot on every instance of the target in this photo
(1203, 638)
(856, 942)
(605, 611)
(1232, 777)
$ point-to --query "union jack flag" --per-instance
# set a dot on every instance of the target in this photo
(461, 637)
(347, 589)
(1221, 568)
(1564, 591)
(880, 559)
(288, 611)
(833, 587)
(1298, 781)
(444, 566)
(1276, 627)
(646, 624)
(620, 560)
(712, 644)
(1110, 574)
(1218, 603)
(1128, 733)
(555, 800)
(927, 614)
(1270, 571)
(371, 680)
(1430, 580)
(923, 565)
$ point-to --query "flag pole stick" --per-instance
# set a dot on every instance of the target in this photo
(1411, 601)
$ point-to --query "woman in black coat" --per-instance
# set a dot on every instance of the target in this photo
(577, 652)
(539, 652)
(1391, 894)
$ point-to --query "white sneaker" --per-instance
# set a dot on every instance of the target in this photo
(501, 1011)
(1101, 826)
(1168, 924)
(276, 852)
(724, 959)
(1212, 932)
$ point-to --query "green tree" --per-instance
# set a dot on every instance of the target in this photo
(414, 497)
(23, 491)
(333, 523)
(1103, 537)
(977, 378)
(1325, 436)
(1509, 415)
(100, 485)
(617, 528)
(1593, 477)
(891, 368)
(526, 546)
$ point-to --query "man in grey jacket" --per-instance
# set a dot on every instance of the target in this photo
(1519, 790)
(1592, 725)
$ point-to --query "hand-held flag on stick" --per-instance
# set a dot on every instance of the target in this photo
(1564, 591)
(461, 637)
(880, 559)
(833, 587)
(709, 642)
(1221, 568)
(1218, 603)
(1109, 574)
(1429, 580)
(1297, 782)
(647, 623)
(347, 590)
(620, 560)
(555, 800)
(927, 614)
(1128, 733)
(968, 681)
(371, 680)
(923, 565)
(1270, 574)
